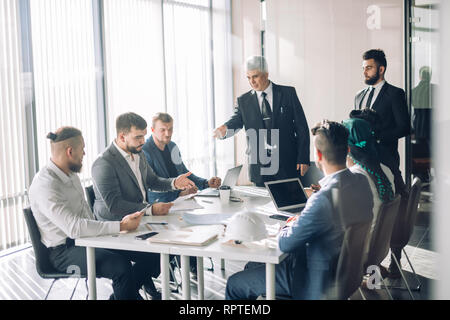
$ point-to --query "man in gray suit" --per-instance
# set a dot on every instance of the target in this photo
(122, 176)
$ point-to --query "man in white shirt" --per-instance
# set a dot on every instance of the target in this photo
(62, 215)
(265, 111)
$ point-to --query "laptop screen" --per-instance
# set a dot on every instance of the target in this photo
(232, 176)
(287, 193)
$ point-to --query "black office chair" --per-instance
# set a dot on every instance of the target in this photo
(90, 196)
(43, 266)
(379, 242)
(404, 227)
(349, 271)
(312, 176)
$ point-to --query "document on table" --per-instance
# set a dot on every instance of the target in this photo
(209, 218)
(184, 204)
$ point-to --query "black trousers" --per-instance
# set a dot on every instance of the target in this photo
(116, 265)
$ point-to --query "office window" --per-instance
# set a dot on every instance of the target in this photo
(12, 130)
(64, 73)
(189, 80)
(134, 61)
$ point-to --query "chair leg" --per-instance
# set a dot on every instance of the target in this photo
(51, 286)
(403, 276)
(145, 293)
(361, 293)
(212, 265)
(172, 272)
(414, 272)
(87, 288)
(384, 284)
(73, 291)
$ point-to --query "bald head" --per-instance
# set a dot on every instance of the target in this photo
(67, 147)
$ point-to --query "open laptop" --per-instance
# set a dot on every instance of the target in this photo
(288, 195)
(230, 180)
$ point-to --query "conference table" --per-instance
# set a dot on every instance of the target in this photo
(264, 251)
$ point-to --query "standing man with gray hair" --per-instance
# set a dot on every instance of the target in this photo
(275, 124)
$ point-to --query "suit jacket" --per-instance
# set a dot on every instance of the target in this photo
(315, 238)
(287, 116)
(156, 162)
(116, 188)
(391, 105)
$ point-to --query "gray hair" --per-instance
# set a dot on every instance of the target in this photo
(256, 63)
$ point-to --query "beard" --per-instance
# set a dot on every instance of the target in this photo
(372, 80)
(134, 150)
(75, 167)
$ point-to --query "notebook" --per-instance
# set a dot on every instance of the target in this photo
(195, 236)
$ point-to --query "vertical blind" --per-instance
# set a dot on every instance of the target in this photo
(12, 130)
(189, 73)
(134, 61)
(64, 73)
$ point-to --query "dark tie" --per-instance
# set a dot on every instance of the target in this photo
(369, 100)
(267, 115)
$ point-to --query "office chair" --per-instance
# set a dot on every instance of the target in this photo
(43, 266)
(90, 196)
(379, 242)
(349, 271)
(404, 227)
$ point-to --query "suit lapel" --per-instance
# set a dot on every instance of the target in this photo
(380, 96)
(123, 163)
(361, 98)
(276, 96)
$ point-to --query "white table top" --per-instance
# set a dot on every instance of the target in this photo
(265, 251)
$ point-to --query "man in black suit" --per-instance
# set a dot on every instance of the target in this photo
(275, 124)
(389, 102)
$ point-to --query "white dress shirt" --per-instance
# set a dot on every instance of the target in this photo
(133, 162)
(375, 94)
(269, 96)
(60, 209)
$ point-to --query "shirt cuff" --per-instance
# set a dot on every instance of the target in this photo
(114, 227)
(148, 211)
(173, 184)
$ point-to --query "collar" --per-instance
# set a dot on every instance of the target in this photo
(268, 90)
(327, 179)
(123, 153)
(61, 175)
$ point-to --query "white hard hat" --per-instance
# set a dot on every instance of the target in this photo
(245, 226)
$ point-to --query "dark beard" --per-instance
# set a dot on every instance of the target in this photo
(374, 79)
(133, 150)
(75, 168)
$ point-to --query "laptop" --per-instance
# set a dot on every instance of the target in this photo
(230, 180)
(288, 195)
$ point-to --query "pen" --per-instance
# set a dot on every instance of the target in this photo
(158, 223)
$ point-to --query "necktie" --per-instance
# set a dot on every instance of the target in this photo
(369, 100)
(267, 115)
